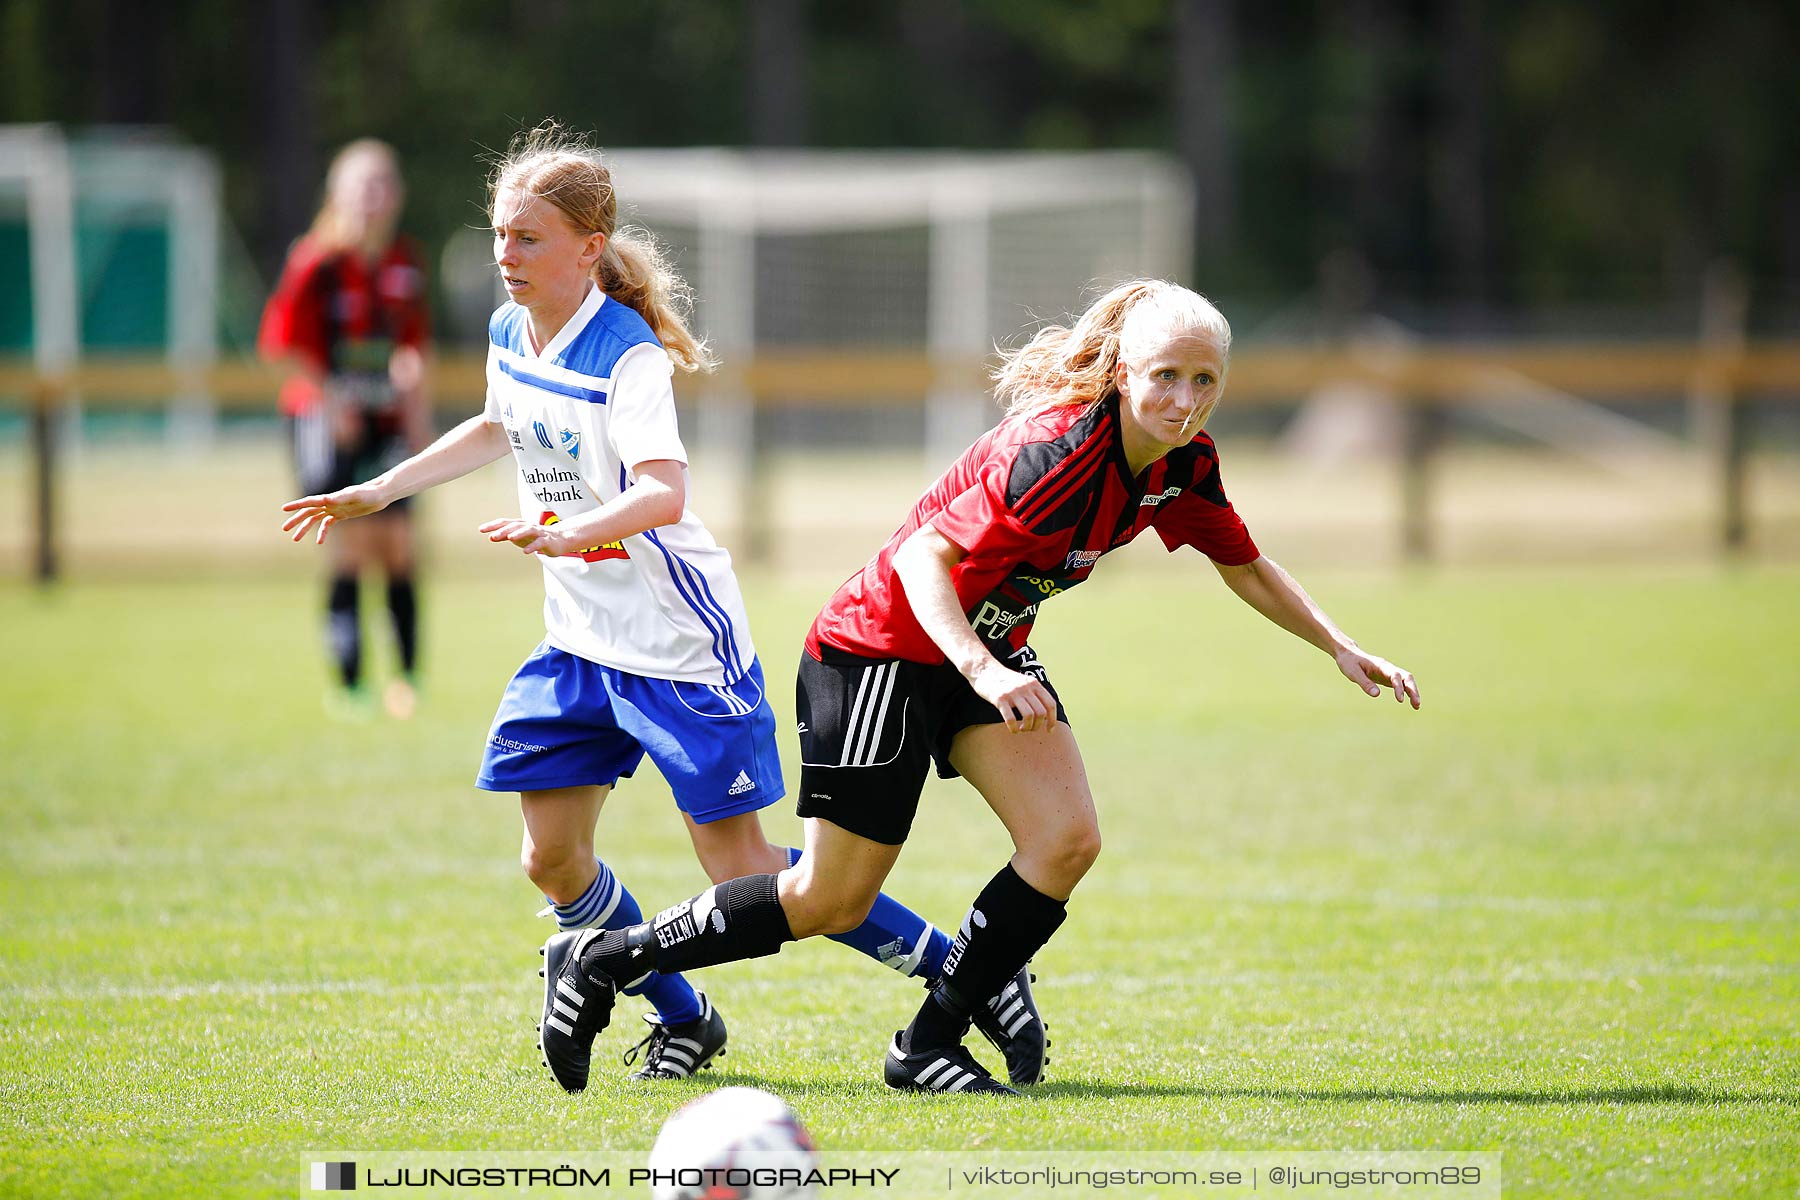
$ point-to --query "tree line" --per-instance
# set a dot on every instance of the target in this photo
(1465, 156)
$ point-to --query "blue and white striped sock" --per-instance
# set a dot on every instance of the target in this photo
(895, 936)
(596, 907)
(607, 905)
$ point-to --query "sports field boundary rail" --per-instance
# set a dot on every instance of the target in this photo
(1427, 380)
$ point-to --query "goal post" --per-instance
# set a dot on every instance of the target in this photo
(121, 230)
(935, 255)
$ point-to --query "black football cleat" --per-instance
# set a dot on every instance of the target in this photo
(1012, 1023)
(950, 1069)
(677, 1051)
(577, 1007)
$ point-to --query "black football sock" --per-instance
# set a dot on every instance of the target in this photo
(403, 607)
(737, 919)
(1009, 922)
(940, 1021)
(343, 628)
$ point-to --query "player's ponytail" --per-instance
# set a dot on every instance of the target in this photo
(1063, 365)
(634, 271)
(566, 170)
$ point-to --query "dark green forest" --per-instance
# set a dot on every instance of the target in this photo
(1476, 159)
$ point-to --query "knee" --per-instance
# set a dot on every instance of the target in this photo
(551, 868)
(815, 909)
(1066, 859)
(1083, 850)
(845, 914)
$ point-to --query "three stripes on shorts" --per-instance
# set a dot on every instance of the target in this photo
(868, 713)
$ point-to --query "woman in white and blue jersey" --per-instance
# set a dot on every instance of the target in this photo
(646, 650)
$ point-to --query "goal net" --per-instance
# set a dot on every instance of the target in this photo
(109, 244)
(923, 258)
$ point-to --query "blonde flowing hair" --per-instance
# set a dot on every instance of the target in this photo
(566, 170)
(1063, 365)
(335, 229)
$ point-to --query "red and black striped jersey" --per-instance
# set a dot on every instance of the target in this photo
(343, 315)
(1034, 504)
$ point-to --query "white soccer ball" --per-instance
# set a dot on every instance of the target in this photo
(737, 1143)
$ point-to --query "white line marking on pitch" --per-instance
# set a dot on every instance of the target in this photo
(247, 989)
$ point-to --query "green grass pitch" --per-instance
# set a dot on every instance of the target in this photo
(1556, 914)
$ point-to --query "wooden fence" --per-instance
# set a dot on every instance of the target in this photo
(1429, 380)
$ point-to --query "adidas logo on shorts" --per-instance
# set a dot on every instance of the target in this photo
(743, 783)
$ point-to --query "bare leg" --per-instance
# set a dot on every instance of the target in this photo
(836, 881)
(1037, 786)
(734, 846)
(558, 848)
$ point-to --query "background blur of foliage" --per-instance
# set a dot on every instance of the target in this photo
(1475, 157)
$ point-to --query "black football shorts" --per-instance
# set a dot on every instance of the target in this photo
(321, 465)
(869, 730)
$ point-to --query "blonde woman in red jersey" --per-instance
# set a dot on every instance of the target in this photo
(349, 317)
(922, 658)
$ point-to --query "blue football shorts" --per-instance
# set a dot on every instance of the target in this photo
(568, 722)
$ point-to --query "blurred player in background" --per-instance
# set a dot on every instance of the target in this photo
(349, 316)
(647, 648)
(922, 657)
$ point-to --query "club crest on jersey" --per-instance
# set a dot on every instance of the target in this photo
(592, 553)
(571, 444)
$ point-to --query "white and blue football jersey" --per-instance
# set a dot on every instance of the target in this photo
(595, 402)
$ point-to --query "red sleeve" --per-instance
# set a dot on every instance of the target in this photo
(1203, 518)
(293, 322)
(979, 520)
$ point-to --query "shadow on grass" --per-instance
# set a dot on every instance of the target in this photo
(1663, 1093)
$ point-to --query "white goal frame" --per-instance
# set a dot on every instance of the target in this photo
(128, 170)
(730, 196)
